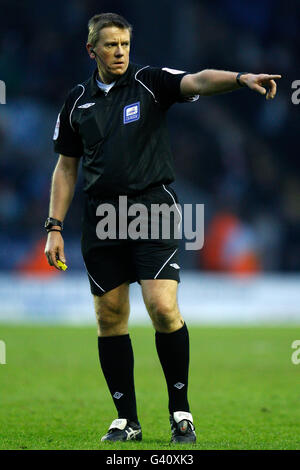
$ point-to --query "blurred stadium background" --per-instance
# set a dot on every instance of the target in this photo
(236, 153)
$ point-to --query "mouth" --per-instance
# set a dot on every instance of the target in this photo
(118, 63)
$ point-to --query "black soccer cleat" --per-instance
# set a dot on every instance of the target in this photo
(123, 430)
(183, 430)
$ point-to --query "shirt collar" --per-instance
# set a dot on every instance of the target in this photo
(123, 80)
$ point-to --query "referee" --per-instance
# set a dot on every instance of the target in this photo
(116, 122)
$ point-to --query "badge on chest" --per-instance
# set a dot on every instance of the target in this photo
(131, 113)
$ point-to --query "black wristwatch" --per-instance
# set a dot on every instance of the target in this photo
(50, 222)
(238, 77)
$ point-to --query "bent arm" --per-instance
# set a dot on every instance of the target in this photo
(211, 82)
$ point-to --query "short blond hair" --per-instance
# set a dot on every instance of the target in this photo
(103, 20)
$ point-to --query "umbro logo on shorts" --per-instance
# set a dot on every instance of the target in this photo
(117, 395)
(174, 265)
(86, 105)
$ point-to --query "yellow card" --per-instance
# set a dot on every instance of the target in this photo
(62, 265)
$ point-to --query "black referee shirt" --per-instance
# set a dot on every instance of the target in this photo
(122, 136)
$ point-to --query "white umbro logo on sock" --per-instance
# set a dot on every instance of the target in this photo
(175, 265)
(117, 395)
(179, 385)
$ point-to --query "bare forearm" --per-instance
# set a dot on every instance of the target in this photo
(211, 82)
(62, 191)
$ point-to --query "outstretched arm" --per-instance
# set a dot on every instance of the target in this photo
(211, 82)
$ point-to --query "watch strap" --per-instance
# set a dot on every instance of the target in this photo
(238, 78)
(51, 222)
(54, 230)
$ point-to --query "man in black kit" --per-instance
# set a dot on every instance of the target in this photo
(116, 121)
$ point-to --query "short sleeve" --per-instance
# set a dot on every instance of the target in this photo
(164, 83)
(66, 140)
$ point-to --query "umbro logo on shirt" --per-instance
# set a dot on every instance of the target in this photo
(86, 105)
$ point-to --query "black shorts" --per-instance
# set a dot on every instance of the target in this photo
(111, 262)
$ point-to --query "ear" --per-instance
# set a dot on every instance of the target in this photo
(89, 49)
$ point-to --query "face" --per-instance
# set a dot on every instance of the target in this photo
(112, 51)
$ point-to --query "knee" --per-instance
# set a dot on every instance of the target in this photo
(111, 317)
(164, 315)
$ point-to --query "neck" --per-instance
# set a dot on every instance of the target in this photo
(105, 78)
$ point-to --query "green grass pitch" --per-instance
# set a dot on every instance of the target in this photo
(244, 390)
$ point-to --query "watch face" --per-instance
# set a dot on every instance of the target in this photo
(48, 223)
(51, 222)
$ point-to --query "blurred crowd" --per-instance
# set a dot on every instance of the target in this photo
(237, 152)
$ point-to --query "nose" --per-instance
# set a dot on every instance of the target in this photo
(119, 51)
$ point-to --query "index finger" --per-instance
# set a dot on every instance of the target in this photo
(48, 259)
(272, 77)
(53, 257)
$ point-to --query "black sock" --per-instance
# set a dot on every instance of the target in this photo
(173, 352)
(116, 359)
